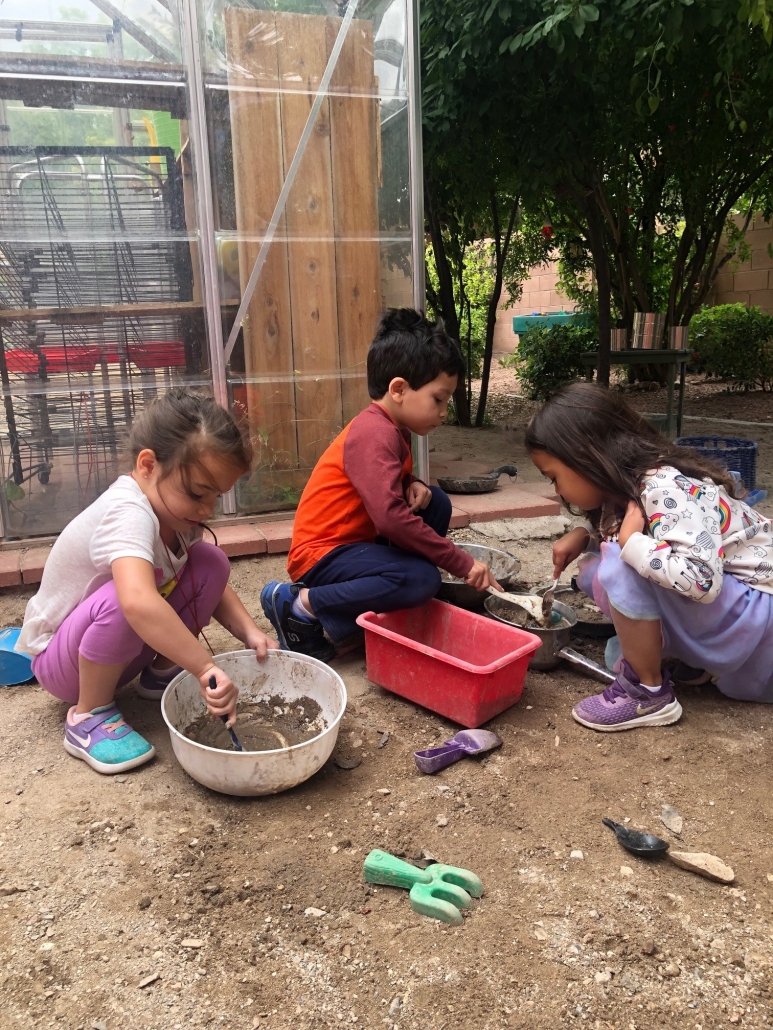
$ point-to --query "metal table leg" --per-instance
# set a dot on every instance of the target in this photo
(670, 402)
(680, 408)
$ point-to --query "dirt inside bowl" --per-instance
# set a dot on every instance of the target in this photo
(265, 725)
(519, 617)
(586, 610)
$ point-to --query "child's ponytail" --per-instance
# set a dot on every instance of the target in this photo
(182, 425)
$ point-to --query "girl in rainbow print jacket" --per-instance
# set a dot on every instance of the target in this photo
(682, 567)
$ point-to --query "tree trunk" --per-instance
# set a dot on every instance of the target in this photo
(502, 246)
(447, 303)
(603, 287)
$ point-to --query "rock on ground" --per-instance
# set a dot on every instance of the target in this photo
(706, 865)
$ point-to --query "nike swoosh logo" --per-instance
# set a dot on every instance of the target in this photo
(645, 710)
(84, 742)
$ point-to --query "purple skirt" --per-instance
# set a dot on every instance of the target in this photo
(732, 637)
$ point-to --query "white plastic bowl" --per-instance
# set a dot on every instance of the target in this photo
(252, 773)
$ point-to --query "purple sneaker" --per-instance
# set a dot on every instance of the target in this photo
(106, 742)
(153, 682)
(625, 704)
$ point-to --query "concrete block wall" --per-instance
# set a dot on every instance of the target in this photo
(740, 282)
(749, 282)
(539, 294)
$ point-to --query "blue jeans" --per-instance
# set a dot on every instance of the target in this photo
(358, 578)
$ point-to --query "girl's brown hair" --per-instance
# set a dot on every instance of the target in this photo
(182, 426)
(596, 434)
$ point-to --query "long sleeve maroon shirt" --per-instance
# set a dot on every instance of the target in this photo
(357, 493)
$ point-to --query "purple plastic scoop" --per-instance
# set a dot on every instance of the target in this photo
(466, 742)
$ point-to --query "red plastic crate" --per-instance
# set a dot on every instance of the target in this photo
(458, 664)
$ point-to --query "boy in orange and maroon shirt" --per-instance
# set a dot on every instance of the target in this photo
(369, 535)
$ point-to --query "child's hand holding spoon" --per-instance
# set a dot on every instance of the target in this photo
(480, 577)
(220, 696)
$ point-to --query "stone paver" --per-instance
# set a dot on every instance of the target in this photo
(241, 540)
(10, 569)
(508, 502)
(32, 564)
(278, 535)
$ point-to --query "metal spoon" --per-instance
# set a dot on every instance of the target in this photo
(645, 844)
(234, 739)
(529, 602)
(548, 597)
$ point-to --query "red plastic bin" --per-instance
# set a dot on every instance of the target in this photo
(458, 664)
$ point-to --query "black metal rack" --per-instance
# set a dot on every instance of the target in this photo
(96, 288)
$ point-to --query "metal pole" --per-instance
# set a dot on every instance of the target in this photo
(413, 67)
(206, 214)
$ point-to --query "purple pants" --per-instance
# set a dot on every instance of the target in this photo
(98, 630)
(732, 637)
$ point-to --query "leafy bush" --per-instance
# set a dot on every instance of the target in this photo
(472, 309)
(549, 356)
(734, 342)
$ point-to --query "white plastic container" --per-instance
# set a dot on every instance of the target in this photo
(252, 773)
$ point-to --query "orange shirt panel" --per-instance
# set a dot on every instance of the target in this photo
(330, 512)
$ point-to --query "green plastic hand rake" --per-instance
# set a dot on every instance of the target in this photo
(440, 891)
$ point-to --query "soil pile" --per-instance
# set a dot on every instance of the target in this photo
(262, 725)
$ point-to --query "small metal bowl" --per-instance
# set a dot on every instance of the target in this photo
(553, 638)
(584, 628)
(504, 568)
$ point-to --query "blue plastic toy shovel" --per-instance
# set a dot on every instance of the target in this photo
(466, 742)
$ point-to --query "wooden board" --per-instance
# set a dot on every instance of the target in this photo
(303, 54)
(354, 145)
(312, 315)
(252, 56)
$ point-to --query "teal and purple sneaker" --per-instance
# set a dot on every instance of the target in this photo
(105, 742)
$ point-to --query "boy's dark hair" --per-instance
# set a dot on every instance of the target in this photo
(408, 346)
(183, 425)
(596, 434)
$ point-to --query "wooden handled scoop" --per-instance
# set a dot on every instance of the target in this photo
(529, 602)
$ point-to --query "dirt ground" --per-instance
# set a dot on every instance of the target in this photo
(145, 901)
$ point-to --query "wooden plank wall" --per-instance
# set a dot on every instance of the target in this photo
(319, 295)
(302, 59)
(354, 141)
(252, 52)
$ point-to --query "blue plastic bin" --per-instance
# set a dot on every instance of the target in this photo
(736, 454)
(15, 666)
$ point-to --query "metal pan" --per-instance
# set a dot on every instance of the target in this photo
(555, 643)
(482, 484)
(591, 630)
(504, 568)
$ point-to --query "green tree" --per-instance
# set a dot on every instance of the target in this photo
(473, 205)
(639, 128)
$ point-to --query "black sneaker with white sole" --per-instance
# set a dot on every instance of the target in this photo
(294, 633)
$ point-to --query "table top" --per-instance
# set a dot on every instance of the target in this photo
(640, 357)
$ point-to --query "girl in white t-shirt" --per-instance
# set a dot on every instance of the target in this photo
(130, 584)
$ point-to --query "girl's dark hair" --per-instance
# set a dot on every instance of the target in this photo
(182, 426)
(596, 434)
(409, 346)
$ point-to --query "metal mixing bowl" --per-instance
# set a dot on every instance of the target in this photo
(553, 638)
(504, 567)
